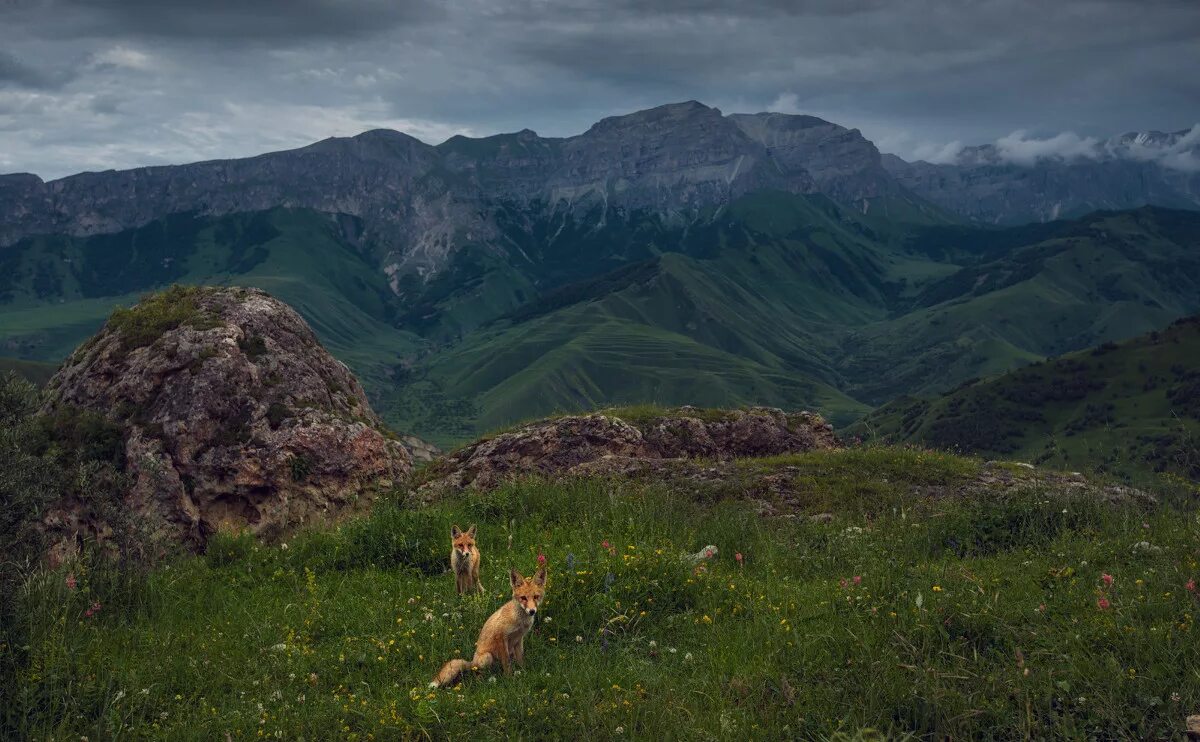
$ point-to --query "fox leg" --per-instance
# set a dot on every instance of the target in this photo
(517, 650)
(478, 582)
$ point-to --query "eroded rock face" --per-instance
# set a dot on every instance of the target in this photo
(234, 416)
(589, 443)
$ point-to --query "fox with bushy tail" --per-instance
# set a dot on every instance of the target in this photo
(503, 635)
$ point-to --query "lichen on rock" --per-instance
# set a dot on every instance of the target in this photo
(234, 416)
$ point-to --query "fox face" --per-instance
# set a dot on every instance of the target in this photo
(528, 591)
(462, 542)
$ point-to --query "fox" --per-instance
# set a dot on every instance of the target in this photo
(464, 560)
(503, 634)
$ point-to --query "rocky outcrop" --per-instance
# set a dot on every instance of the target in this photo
(233, 416)
(591, 443)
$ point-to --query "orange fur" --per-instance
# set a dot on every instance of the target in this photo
(503, 635)
(464, 560)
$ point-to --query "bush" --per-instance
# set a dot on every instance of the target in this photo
(155, 314)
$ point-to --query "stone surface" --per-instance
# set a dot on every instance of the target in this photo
(606, 443)
(236, 418)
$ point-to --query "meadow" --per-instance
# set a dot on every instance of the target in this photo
(1012, 615)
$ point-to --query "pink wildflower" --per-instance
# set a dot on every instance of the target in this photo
(1103, 604)
(857, 579)
(95, 608)
(842, 583)
(605, 545)
(1108, 579)
(71, 583)
(541, 559)
(1191, 585)
(738, 556)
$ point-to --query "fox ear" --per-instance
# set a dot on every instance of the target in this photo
(455, 531)
(515, 578)
(540, 577)
(471, 531)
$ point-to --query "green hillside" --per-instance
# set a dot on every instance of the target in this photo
(32, 371)
(1131, 408)
(776, 299)
(56, 291)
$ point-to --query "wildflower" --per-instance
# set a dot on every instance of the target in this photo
(937, 588)
(1191, 585)
(71, 582)
(737, 555)
(619, 730)
(541, 559)
(653, 644)
(1175, 697)
(687, 657)
(93, 610)
(1108, 579)
(605, 545)
(1103, 604)
(842, 583)
(857, 579)
(578, 639)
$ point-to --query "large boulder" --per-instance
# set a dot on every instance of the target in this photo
(233, 416)
(576, 444)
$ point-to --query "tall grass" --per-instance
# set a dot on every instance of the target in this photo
(972, 618)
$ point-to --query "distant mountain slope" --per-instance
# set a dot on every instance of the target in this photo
(1109, 276)
(32, 371)
(1001, 184)
(774, 298)
(1131, 408)
(802, 301)
(56, 291)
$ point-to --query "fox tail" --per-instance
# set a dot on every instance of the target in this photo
(454, 668)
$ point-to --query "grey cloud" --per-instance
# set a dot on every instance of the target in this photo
(199, 79)
(15, 73)
(256, 21)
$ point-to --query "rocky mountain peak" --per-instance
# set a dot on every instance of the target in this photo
(233, 416)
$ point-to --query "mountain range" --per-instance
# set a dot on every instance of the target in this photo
(675, 255)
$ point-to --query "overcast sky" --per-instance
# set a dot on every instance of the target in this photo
(97, 84)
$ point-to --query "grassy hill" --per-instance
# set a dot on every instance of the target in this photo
(774, 299)
(913, 608)
(1131, 408)
(32, 371)
(56, 291)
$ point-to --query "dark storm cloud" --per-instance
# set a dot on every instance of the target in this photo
(15, 73)
(115, 83)
(233, 20)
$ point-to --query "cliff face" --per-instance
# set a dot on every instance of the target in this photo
(233, 416)
(420, 204)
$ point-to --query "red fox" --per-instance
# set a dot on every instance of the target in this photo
(464, 559)
(503, 634)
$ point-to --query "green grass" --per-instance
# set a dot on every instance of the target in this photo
(32, 371)
(973, 619)
(1127, 409)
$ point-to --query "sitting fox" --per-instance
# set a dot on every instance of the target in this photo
(503, 634)
(464, 560)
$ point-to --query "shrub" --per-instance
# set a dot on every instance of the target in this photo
(155, 314)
